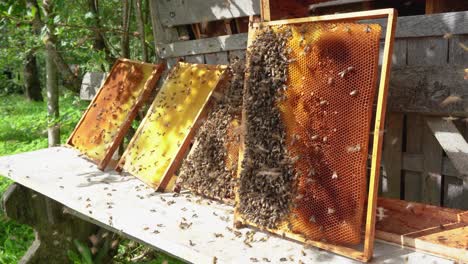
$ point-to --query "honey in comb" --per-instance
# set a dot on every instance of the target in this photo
(325, 109)
(210, 168)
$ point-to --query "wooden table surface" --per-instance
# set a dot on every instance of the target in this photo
(123, 204)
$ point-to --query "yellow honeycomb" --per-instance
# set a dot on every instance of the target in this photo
(169, 121)
(102, 122)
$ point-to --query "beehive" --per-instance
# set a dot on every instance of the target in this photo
(112, 110)
(210, 168)
(308, 109)
(165, 133)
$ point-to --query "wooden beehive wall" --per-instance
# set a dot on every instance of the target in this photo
(430, 56)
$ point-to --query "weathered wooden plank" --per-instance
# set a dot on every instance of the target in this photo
(161, 34)
(432, 168)
(236, 54)
(451, 141)
(441, 231)
(414, 163)
(458, 50)
(427, 51)
(429, 89)
(182, 12)
(413, 180)
(337, 3)
(456, 194)
(392, 156)
(399, 53)
(202, 46)
(154, 218)
(217, 58)
(430, 25)
(199, 59)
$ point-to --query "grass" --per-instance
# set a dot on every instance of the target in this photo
(23, 127)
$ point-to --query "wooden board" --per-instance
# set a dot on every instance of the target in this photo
(430, 25)
(202, 46)
(217, 58)
(458, 50)
(180, 12)
(110, 114)
(429, 89)
(432, 168)
(139, 213)
(437, 230)
(408, 27)
(164, 135)
(392, 156)
(413, 180)
(427, 51)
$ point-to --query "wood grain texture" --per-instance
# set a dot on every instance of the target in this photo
(452, 142)
(413, 180)
(392, 156)
(430, 25)
(456, 193)
(458, 50)
(180, 12)
(432, 168)
(429, 89)
(198, 59)
(217, 58)
(440, 231)
(414, 163)
(399, 53)
(427, 51)
(139, 213)
(202, 46)
(236, 54)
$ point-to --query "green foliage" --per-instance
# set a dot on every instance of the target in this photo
(24, 124)
(23, 128)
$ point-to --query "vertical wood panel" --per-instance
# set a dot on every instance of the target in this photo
(455, 190)
(432, 170)
(392, 156)
(458, 53)
(200, 59)
(217, 58)
(427, 51)
(413, 180)
(233, 54)
(399, 52)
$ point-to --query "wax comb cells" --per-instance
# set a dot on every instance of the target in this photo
(112, 110)
(323, 112)
(165, 133)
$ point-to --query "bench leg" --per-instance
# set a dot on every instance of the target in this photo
(55, 230)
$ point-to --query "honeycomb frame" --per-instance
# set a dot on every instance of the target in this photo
(379, 117)
(161, 141)
(90, 135)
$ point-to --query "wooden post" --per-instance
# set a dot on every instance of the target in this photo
(54, 230)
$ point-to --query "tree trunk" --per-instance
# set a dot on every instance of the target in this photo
(53, 130)
(141, 29)
(99, 43)
(124, 43)
(71, 80)
(32, 84)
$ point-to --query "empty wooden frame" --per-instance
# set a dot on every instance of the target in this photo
(111, 112)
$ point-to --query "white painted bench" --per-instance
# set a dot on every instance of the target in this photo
(123, 204)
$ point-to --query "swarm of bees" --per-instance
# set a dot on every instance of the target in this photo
(210, 168)
(266, 181)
